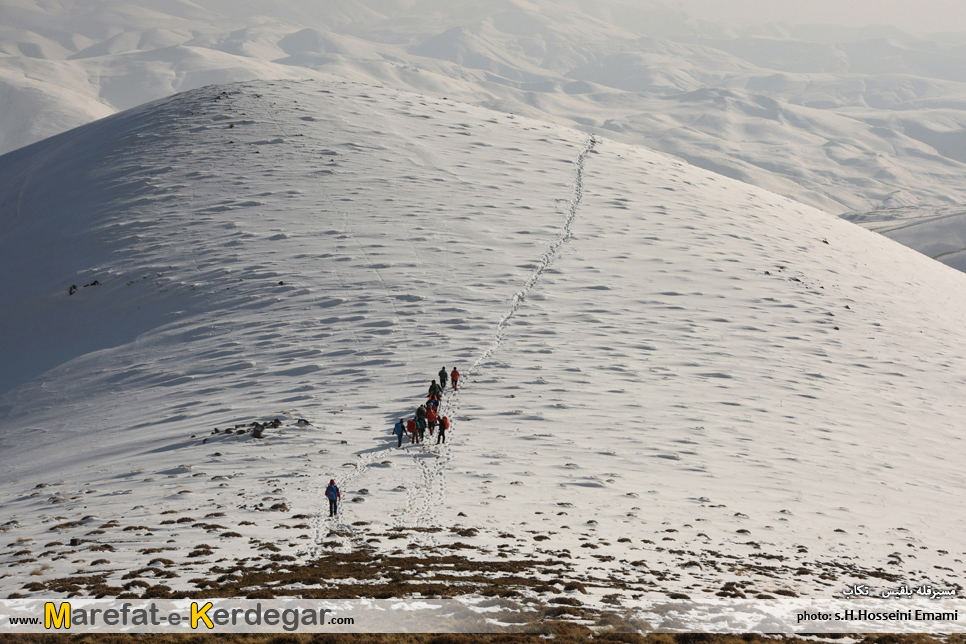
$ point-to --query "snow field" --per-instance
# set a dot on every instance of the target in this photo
(842, 119)
(672, 379)
(936, 232)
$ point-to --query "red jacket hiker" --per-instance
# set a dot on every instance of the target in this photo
(411, 428)
(454, 376)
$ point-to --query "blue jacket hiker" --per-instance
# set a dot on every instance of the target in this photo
(333, 494)
(399, 430)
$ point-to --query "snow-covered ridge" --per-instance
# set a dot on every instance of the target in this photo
(704, 377)
(845, 120)
(937, 232)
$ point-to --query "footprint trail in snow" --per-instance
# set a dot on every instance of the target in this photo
(428, 490)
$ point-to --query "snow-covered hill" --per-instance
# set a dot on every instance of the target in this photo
(938, 232)
(673, 382)
(842, 119)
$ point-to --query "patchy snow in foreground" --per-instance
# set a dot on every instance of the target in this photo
(671, 378)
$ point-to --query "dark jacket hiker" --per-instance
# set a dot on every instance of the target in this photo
(332, 493)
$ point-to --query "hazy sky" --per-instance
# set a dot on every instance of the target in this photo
(911, 15)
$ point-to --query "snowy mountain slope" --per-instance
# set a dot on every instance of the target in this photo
(937, 232)
(672, 380)
(837, 118)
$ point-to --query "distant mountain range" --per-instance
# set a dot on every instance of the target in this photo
(848, 120)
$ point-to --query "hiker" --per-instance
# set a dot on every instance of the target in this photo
(443, 426)
(399, 430)
(454, 376)
(434, 389)
(411, 428)
(432, 403)
(442, 378)
(421, 426)
(431, 419)
(333, 494)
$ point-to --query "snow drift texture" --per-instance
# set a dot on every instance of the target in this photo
(842, 119)
(651, 352)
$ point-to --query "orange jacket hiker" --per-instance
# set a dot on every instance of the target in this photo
(443, 426)
(454, 377)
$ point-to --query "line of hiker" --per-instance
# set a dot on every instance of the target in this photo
(428, 415)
